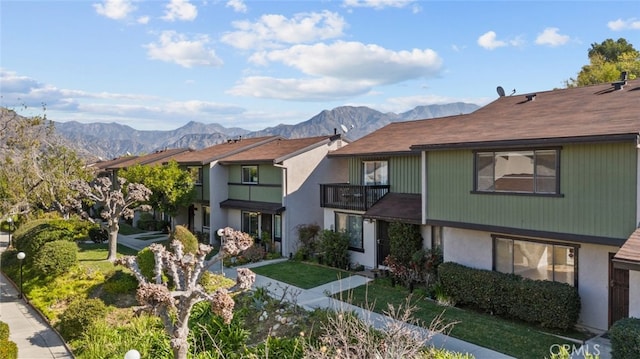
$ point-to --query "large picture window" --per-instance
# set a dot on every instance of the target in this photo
(196, 174)
(206, 216)
(351, 224)
(250, 174)
(375, 173)
(529, 171)
(535, 260)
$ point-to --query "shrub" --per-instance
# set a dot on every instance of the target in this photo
(255, 253)
(4, 330)
(98, 234)
(308, 239)
(404, 240)
(188, 240)
(120, 283)
(334, 247)
(211, 282)
(147, 263)
(550, 304)
(625, 338)
(8, 349)
(275, 347)
(55, 258)
(31, 236)
(79, 315)
(207, 331)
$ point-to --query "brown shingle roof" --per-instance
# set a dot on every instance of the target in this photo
(630, 250)
(100, 165)
(277, 151)
(221, 150)
(556, 115)
(402, 207)
(152, 158)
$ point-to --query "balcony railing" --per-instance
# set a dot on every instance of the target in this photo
(353, 197)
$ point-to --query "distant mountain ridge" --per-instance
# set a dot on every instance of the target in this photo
(110, 140)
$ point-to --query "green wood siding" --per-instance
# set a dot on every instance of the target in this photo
(268, 189)
(598, 184)
(404, 172)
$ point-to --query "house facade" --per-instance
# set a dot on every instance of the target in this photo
(271, 189)
(543, 185)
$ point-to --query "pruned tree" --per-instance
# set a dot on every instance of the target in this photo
(185, 269)
(115, 202)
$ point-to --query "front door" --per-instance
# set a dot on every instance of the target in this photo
(618, 292)
(382, 238)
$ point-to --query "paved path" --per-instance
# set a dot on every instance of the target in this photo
(37, 340)
(33, 335)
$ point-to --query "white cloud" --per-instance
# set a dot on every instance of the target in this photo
(237, 5)
(143, 20)
(316, 89)
(628, 24)
(379, 4)
(357, 61)
(274, 30)
(115, 9)
(488, 41)
(179, 49)
(551, 37)
(337, 71)
(180, 10)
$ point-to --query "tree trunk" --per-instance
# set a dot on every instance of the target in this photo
(113, 241)
(180, 334)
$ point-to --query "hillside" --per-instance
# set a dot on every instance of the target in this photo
(109, 140)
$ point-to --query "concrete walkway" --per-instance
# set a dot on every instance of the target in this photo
(32, 333)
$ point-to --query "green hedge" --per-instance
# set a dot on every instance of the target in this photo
(625, 338)
(8, 349)
(31, 236)
(79, 315)
(55, 258)
(550, 304)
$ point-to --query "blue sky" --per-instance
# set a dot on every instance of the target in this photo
(156, 65)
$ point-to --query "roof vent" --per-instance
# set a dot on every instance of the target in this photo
(618, 85)
(531, 97)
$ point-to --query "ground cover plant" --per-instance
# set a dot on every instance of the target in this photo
(516, 339)
(301, 274)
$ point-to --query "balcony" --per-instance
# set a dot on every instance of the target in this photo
(352, 197)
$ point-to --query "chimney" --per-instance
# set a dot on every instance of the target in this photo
(531, 97)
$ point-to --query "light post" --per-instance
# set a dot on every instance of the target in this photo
(10, 220)
(21, 256)
(221, 235)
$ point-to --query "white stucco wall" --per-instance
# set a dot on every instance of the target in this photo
(218, 192)
(301, 190)
(470, 248)
(634, 294)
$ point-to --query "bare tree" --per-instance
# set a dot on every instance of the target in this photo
(186, 269)
(114, 203)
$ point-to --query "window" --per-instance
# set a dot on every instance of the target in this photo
(536, 260)
(250, 223)
(249, 174)
(277, 227)
(196, 174)
(206, 216)
(375, 173)
(533, 171)
(351, 224)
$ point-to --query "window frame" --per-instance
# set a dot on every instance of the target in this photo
(197, 173)
(277, 227)
(206, 217)
(375, 172)
(251, 214)
(535, 177)
(252, 179)
(361, 239)
(575, 247)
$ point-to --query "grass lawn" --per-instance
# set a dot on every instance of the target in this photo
(301, 274)
(516, 339)
(94, 255)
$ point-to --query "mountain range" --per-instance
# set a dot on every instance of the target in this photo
(110, 140)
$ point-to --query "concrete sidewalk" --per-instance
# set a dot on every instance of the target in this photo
(318, 297)
(32, 333)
